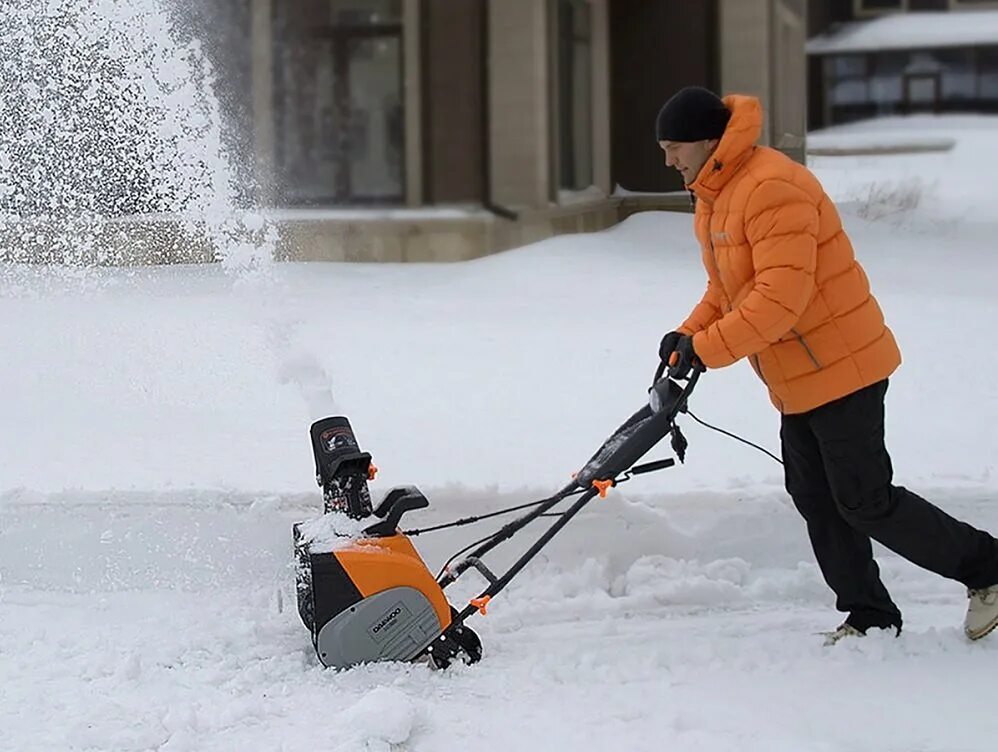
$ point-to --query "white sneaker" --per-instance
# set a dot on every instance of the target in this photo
(982, 612)
(845, 630)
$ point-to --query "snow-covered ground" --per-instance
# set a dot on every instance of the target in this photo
(154, 453)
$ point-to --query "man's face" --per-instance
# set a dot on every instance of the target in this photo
(688, 157)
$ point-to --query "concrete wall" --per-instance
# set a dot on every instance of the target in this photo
(788, 78)
(262, 96)
(452, 101)
(518, 103)
(762, 53)
(745, 44)
(601, 96)
(412, 93)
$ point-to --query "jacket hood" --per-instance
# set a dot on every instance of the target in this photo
(744, 129)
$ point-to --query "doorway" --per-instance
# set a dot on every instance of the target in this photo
(921, 92)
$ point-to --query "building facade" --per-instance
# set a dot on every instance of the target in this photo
(450, 129)
(869, 58)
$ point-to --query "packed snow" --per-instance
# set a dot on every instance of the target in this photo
(154, 453)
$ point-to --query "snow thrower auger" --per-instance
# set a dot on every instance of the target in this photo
(374, 599)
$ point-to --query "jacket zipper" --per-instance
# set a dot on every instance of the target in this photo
(807, 349)
(757, 365)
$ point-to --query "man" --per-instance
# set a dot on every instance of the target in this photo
(785, 291)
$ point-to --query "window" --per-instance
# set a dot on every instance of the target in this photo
(850, 92)
(575, 103)
(959, 78)
(987, 67)
(338, 101)
(848, 66)
(846, 79)
(887, 79)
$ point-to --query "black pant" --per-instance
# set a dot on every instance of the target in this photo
(839, 475)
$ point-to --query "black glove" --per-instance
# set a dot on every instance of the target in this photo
(669, 342)
(684, 359)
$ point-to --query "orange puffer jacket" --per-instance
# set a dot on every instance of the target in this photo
(784, 287)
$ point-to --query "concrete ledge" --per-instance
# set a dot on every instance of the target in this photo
(866, 151)
(430, 236)
(875, 144)
(538, 224)
(392, 236)
(382, 239)
(632, 203)
(121, 241)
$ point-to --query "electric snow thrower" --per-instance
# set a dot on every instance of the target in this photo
(370, 596)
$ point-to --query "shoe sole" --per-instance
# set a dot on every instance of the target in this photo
(985, 633)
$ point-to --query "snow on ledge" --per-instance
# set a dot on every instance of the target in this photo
(855, 144)
(910, 31)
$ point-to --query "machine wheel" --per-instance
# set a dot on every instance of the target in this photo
(458, 641)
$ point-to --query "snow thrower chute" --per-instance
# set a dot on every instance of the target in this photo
(374, 599)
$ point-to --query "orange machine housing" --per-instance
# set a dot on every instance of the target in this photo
(376, 564)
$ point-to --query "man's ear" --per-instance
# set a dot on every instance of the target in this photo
(712, 144)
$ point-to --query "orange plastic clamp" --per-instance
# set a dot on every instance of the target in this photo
(603, 486)
(372, 471)
(673, 358)
(481, 603)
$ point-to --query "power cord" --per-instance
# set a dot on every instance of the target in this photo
(734, 436)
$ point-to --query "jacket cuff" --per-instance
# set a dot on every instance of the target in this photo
(709, 358)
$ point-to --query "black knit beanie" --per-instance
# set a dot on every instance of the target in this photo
(691, 114)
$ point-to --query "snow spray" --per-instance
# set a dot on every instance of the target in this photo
(111, 141)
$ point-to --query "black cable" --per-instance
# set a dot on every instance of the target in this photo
(466, 548)
(493, 535)
(733, 436)
(470, 520)
(480, 517)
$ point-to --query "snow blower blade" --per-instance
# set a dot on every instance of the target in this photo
(364, 592)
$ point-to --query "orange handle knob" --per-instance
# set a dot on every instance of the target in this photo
(603, 486)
